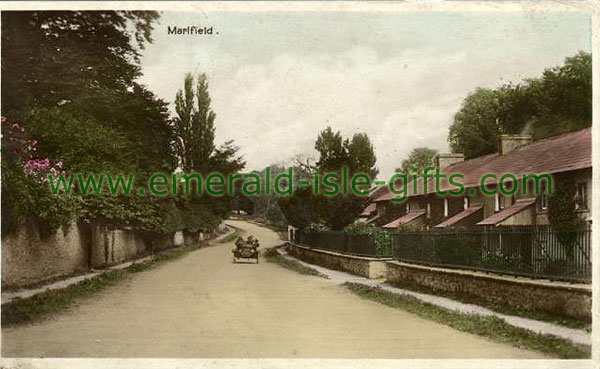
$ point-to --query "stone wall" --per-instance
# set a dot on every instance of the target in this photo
(114, 246)
(363, 266)
(29, 259)
(573, 300)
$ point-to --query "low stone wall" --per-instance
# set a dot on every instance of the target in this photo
(573, 300)
(363, 266)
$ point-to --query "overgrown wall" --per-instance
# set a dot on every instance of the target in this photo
(29, 259)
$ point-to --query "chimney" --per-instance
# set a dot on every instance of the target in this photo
(507, 143)
(441, 161)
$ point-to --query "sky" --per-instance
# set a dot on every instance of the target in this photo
(277, 79)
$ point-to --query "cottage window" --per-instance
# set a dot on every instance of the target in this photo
(445, 207)
(581, 201)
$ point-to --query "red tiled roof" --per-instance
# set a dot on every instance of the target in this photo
(377, 191)
(508, 212)
(561, 153)
(368, 210)
(408, 217)
(383, 195)
(460, 216)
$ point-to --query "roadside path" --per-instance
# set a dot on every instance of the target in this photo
(579, 336)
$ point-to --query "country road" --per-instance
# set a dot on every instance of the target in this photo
(202, 305)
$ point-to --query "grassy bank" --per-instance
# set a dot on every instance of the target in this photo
(36, 307)
(272, 256)
(499, 307)
(493, 327)
(231, 237)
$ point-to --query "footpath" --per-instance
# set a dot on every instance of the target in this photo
(337, 277)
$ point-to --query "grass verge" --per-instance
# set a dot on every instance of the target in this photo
(20, 311)
(231, 237)
(272, 256)
(499, 307)
(493, 327)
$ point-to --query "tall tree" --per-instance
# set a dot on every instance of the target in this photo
(194, 130)
(361, 155)
(194, 125)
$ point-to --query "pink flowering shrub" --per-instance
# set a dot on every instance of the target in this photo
(18, 148)
(25, 178)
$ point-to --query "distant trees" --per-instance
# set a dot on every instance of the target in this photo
(358, 156)
(557, 102)
(419, 158)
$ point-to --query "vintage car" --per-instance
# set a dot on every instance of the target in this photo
(246, 249)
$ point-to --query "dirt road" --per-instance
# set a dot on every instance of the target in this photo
(203, 305)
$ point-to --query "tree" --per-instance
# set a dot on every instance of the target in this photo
(194, 136)
(476, 128)
(333, 150)
(557, 102)
(303, 207)
(71, 77)
(562, 213)
(195, 125)
(54, 57)
(563, 97)
(361, 155)
(419, 158)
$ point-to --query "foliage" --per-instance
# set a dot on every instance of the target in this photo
(419, 158)
(50, 58)
(383, 239)
(475, 129)
(194, 133)
(72, 82)
(562, 213)
(303, 207)
(300, 209)
(24, 184)
(557, 102)
(194, 125)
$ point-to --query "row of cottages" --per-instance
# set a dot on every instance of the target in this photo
(564, 157)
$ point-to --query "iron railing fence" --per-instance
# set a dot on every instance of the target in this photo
(338, 241)
(532, 251)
